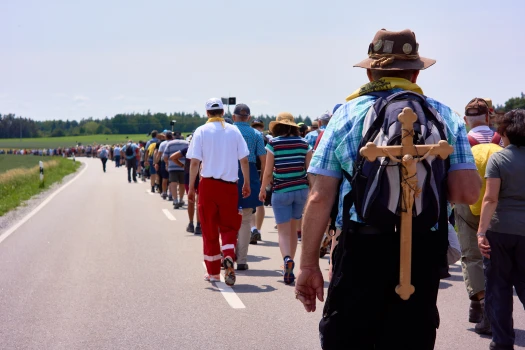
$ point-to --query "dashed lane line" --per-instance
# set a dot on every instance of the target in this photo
(228, 293)
(168, 214)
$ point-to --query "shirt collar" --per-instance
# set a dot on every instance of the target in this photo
(480, 128)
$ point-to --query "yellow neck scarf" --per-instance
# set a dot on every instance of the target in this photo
(385, 84)
(216, 119)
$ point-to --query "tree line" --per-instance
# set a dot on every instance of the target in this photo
(12, 126)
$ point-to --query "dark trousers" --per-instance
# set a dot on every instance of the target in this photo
(363, 311)
(104, 161)
(504, 269)
(117, 161)
(132, 164)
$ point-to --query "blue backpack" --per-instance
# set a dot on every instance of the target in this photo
(376, 191)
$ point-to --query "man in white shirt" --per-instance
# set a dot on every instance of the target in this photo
(220, 147)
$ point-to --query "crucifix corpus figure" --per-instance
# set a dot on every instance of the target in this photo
(410, 156)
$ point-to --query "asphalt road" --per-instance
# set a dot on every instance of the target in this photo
(101, 266)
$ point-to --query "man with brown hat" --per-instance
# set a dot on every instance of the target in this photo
(366, 261)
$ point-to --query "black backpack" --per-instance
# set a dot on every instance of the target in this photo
(129, 150)
(376, 191)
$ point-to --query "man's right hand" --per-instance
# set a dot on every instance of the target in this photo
(309, 285)
(191, 194)
(246, 190)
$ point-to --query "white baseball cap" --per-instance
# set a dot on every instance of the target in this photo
(214, 104)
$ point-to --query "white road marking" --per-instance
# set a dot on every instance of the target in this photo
(37, 209)
(228, 293)
(168, 214)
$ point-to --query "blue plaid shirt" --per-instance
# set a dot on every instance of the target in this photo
(311, 137)
(253, 139)
(338, 148)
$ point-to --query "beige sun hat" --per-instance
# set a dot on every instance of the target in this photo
(285, 118)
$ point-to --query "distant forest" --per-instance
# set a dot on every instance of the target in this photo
(12, 126)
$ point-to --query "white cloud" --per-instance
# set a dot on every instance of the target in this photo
(3, 96)
(59, 95)
(80, 98)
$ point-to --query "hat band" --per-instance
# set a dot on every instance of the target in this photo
(384, 59)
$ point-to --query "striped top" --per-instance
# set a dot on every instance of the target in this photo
(483, 134)
(289, 172)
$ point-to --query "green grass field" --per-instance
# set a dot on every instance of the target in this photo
(69, 141)
(8, 162)
(22, 180)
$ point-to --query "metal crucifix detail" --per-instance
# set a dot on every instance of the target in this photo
(409, 155)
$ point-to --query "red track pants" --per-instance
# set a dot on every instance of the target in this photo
(218, 201)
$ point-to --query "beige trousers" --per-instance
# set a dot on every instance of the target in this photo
(471, 259)
(243, 238)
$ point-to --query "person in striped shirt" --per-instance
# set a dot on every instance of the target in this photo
(477, 117)
(287, 159)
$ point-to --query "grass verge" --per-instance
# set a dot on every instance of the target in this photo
(18, 185)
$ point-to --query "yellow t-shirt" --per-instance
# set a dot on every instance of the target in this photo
(482, 153)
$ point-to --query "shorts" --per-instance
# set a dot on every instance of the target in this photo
(152, 170)
(177, 176)
(163, 173)
(289, 205)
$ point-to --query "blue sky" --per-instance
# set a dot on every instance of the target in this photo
(77, 59)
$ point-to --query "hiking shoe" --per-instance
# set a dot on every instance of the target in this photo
(475, 313)
(242, 267)
(182, 203)
(198, 230)
(289, 277)
(152, 189)
(190, 228)
(483, 327)
(299, 237)
(496, 346)
(256, 235)
(170, 198)
(229, 271)
(164, 195)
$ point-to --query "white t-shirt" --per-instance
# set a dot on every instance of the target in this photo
(219, 149)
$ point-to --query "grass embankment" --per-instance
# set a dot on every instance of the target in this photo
(20, 184)
(70, 141)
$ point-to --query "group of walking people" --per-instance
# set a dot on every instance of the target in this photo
(482, 178)
(321, 184)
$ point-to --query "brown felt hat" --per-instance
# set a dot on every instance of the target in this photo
(395, 51)
(285, 118)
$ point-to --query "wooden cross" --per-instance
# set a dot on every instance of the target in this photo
(408, 151)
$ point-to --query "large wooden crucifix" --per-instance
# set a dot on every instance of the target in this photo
(410, 155)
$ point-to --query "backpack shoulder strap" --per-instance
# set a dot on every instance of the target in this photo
(496, 138)
(473, 142)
